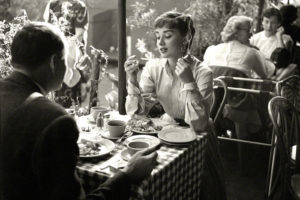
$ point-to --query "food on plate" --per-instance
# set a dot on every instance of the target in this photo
(88, 148)
(143, 125)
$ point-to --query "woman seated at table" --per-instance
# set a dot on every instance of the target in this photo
(177, 81)
(236, 51)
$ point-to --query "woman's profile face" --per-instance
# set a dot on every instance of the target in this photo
(169, 42)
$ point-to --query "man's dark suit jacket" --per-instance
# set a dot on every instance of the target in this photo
(39, 150)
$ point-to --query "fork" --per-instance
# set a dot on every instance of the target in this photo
(119, 141)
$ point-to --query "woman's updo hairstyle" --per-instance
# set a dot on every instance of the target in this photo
(233, 25)
(179, 21)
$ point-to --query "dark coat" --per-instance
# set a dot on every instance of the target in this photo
(38, 146)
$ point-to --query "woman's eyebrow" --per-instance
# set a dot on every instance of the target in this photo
(165, 31)
(168, 30)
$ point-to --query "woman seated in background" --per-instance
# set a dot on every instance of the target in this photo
(236, 54)
(236, 51)
(176, 80)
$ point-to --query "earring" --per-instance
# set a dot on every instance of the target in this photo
(183, 47)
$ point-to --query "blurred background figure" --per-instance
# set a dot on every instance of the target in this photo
(289, 17)
(71, 16)
(272, 36)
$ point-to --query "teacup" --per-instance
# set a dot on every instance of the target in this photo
(96, 110)
(135, 146)
(116, 128)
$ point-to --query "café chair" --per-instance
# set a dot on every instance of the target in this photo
(285, 182)
(240, 90)
(290, 89)
(219, 99)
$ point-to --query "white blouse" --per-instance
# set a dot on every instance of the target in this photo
(191, 102)
(268, 44)
(239, 56)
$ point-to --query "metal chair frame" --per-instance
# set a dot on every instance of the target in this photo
(280, 86)
(278, 108)
(271, 145)
(251, 91)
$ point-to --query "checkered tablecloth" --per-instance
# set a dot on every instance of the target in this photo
(177, 175)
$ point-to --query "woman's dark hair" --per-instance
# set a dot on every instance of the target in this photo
(35, 43)
(177, 20)
(281, 57)
(269, 12)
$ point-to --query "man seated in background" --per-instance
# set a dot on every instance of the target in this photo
(38, 139)
(272, 36)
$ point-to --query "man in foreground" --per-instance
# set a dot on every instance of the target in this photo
(38, 140)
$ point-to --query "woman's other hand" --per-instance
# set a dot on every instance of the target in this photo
(183, 70)
(131, 66)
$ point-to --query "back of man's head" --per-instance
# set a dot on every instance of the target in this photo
(289, 14)
(269, 12)
(281, 57)
(35, 43)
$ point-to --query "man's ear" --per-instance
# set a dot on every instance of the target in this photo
(52, 61)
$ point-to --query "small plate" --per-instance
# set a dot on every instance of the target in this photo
(106, 146)
(125, 155)
(151, 140)
(106, 134)
(176, 144)
(144, 132)
(177, 135)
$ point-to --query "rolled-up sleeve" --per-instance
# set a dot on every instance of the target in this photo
(141, 97)
(199, 99)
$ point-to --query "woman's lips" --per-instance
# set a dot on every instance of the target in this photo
(163, 50)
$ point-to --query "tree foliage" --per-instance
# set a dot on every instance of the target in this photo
(210, 16)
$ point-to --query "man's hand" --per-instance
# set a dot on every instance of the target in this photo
(141, 164)
(280, 32)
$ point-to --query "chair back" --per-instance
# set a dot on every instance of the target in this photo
(234, 98)
(286, 122)
(219, 99)
(290, 89)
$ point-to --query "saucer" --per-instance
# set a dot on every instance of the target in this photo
(106, 134)
(125, 155)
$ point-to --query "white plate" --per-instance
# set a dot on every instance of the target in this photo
(151, 140)
(106, 134)
(176, 144)
(144, 132)
(106, 147)
(177, 135)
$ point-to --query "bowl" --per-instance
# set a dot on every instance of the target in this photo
(135, 146)
(116, 128)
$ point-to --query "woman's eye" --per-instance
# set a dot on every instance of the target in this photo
(168, 36)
